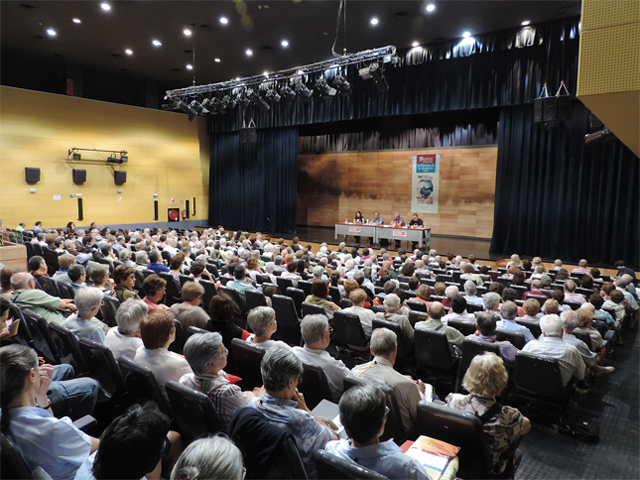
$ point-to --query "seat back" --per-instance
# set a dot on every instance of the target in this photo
(193, 329)
(288, 321)
(194, 412)
(465, 328)
(474, 307)
(305, 286)
(184, 279)
(584, 336)
(43, 343)
(539, 378)
(260, 279)
(51, 257)
(515, 338)
(520, 289)
(415, 305)
(247, 358)
(330, 466)
(432, 350)
(417, 316)
(298, 297)
(345, 303)
(348, 329)
(68, 348)
(23, 337)
(173, 294)
(573, 304)
(471, 348)
(178, 344)
(142, 385)
(314, 386)
(65, 290)
(255, 299)
(312, 309)
(109, 308)
(461, 429)
(13, 463)
(284, 283)
(531, 325)
(239, 308)
(49, 285)
(102, 367)
(209, 293)
(139, 279)
(405, 349)
(334, 293)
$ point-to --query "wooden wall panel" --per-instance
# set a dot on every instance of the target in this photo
(331, 187)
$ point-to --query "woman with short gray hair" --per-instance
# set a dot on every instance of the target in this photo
(208, 458)
(83, 322)
(124, 340)
(262, 321)
(284, 405)
(207, 357)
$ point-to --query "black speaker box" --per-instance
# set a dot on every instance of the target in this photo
(119, 177)
(79, 176)
(549, 109)
(32, 175)
(565, 104)
(537, 110)
(248, 135)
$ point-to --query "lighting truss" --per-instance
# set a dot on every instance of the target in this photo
(115, 156)
(230, 87)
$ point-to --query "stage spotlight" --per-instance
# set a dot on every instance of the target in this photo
(76, 156)
(288, 93)
(324, 89)
(257, 99)
(375, 70)
(124, 157)
(229, 102)
(242, 100)
(304, 92)
(273, 96)
(214, 103)
(597, 138)
(342, 85)
(114, 159)
(187, 109)
(196, 106)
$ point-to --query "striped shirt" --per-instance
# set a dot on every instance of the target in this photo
(569, 359)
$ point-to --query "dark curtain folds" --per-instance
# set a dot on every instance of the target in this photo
(555, 197)
(254, 186)
(497, 71)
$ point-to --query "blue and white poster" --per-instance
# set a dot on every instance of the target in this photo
(425, 183)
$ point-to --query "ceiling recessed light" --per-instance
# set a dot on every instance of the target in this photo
(284, 43)
(525, 23)
(105, 6)
(374, 21)
(217, 60)
(128, 51)
(189, 66)
(415, 44)
(431, 7)
(224, 20)
(51, 32)
(77, 20)
(187, 32)
(466, 34)
(249, 52)
(156, 43)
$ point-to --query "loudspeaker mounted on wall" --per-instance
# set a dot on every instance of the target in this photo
(32, 175)
(119, 177)
(248, 135)
(79, 176)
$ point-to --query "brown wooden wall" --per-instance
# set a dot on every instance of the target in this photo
(331, 187)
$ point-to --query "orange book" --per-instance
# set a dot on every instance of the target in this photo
(434, 454)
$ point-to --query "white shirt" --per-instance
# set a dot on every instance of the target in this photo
(333, 369)
(164, 364)
(121, 345)
(268, 343)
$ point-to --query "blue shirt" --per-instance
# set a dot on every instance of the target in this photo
(83, 328)
(54, 444)
(308, 433)
(512, 326)
(386, 458)
(158, 268)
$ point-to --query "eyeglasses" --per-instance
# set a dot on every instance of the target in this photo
(41, 361)
(386, 411)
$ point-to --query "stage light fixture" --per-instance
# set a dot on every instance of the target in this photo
(288, 93)
(375, 71)
(76, 156)
(597, 138)
(229, 102)
(114, 159)
(196, 106)
(257, 99)
(186, 109)
(124, 158)
(342, 85)
(242, 100)
(273, 96)
(212, 104)
(324, 89)
(304, 92)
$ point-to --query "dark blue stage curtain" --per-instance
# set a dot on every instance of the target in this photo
(499, 69)
(254, 187)
(555, 197)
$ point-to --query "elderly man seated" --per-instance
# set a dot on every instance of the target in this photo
(363, 414)
(570, 321)
(391, 313)
(459, 311)
(317, 337)
(384, 348)
(551, 345)
(509, 312)
(240, 283)
(25, 295)
(570, 293)
(284, 405)
(436, 312)
(486, 332)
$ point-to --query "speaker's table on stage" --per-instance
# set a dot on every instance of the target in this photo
(418, 235)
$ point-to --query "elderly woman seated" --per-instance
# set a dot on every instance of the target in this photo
(319, 294)
(485, 379)
(211, 457)
(189, 312)
(262, 321)
(158, 332)
(55, 445)
(124, 340)
(221, 312)
(392, 314)
(83, 323)
(99, 276)
(358, 298)
(363, 414)
(154, 288)
(284, 405)
(207, 357)
(125, 278)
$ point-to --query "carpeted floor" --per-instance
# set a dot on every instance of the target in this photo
(613, 404)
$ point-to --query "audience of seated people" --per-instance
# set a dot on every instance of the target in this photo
(144, 331)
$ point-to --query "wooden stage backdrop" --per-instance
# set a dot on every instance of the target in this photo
(331, 187)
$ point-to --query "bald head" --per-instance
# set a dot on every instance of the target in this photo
(436, 310)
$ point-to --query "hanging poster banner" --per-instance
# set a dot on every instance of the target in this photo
(425, 183)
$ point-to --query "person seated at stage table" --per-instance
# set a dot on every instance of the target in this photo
(358, 218)
(397, 221)
(319, 294)
(363, 413)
